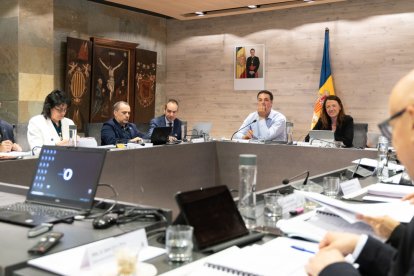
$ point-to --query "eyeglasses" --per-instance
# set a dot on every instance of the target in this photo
(385, 127)
(61, 110)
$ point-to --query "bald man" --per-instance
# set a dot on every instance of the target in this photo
(374, 257)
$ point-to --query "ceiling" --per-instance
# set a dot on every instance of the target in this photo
(185, 9)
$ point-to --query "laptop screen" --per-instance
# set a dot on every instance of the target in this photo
(160, 135)
(67, 176)
(213, 214)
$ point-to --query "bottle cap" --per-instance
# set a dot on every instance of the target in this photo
(247, 159)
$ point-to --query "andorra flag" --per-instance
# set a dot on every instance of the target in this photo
(326, 86)
(240, 63)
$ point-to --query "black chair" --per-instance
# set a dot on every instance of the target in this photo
(94, 130)
(360, 135)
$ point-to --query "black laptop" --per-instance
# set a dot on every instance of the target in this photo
(160, 135)
(64, 185)
(216, 220)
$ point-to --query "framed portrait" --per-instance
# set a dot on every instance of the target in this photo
(113, 74)
(77, 80)
(249, 67)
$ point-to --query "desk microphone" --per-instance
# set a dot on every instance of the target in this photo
(287, 180)
(325, 141)
(254, 121)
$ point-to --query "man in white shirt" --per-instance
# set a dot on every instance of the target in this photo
(265, 124)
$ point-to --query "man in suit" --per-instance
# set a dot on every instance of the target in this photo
(7, 142)
(373, 256)
(169, 119)
(118, 129)
(252, 65)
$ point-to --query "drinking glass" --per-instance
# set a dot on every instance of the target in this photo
(179, 243)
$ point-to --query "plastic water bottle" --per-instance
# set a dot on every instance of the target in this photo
(289, 133)
(382, 168)
(247, 189)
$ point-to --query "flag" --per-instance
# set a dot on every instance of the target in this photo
(326, 86)
(240, 63)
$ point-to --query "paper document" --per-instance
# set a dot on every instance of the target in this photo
(401, 211)
(390, 190)
(373, 163)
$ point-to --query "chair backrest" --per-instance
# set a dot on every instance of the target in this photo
(360, 135)
(94, 130)
(20, 134)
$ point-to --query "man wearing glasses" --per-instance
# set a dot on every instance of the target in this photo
(373, 256)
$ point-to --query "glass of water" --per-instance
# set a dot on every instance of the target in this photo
(179, 243)
(272, 208)
(331, 186)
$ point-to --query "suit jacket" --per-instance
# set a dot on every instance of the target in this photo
(345, 133)
(378, 259)
(112, 132)
(160, 122)
(41, 131)
(6, 131)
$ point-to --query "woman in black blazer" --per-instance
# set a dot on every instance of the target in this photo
(333, 118)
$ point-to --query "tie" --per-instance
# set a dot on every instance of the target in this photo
(170, 125)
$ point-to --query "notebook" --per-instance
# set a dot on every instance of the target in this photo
(66, 179)
(216, 220)
(160, 135)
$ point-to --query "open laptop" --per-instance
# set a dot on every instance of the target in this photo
(160, 135)
(216, 220)
(64, 185)
(322, 135)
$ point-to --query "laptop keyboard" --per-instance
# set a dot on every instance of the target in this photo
(39, 209)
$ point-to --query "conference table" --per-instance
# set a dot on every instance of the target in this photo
(153, 175)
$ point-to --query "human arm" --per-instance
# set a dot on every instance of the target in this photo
(153, 124)
(383, 226)
(6, 146)
(409, 197)
(329, 262)
(245, 131)
(272, 128)
(108, 135)
(346, 132)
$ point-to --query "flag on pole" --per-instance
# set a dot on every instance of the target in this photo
(326, 86)
(240, 63)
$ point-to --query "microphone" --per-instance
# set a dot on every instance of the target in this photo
(254, 121)
(287, 180)
(332, 144)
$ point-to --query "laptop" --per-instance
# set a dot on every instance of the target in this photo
(63, 186)
(322, 135)
(216, 220)
(160, 135)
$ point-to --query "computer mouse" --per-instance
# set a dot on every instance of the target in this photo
(103, 222)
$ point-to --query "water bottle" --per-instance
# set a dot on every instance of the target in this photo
(289, 133)
(382, 168)
(247, 189)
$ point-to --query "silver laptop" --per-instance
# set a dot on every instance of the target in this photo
(201, 128)
(63, 186)
(322, 135)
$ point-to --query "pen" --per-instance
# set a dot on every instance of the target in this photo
(302, 249)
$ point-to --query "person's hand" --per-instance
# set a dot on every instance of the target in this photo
(344, 242)
(409, 197)
(6, 146)
(172, 139)
(322, 259)
(137, 140)
(16, 147)
(382, 226)
(261, 110)
(248, 135)
(64, 142)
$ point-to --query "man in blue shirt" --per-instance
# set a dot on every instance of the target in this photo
(118, 129)
(265, 124)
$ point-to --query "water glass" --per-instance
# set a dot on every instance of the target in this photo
(272, 207)
(331, 186)
(179, 243)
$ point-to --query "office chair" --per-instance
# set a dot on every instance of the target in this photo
(360, 135)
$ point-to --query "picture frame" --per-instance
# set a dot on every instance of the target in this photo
(113, 71)
(249, 67)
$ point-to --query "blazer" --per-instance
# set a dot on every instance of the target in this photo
(112, 132)
(345, 133)
(160, 122)
(40, 131)
(6, 131)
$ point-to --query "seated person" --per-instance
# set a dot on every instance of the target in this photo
(373, 256)
(333, 118)
(51, 127)
(168, 119)
(119, 129)
(7, 142)
(270, 124)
